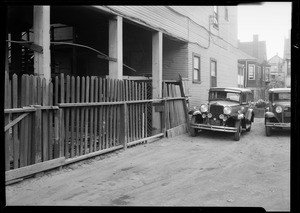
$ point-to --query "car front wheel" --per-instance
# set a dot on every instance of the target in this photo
(237, 135)
(248, 126)
(268, 131)
(267, 128)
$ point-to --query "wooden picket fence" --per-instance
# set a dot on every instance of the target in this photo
(31, 121)
(91, 110)
(73, 118)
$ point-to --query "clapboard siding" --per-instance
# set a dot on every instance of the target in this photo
(175, 59)
(156, 16)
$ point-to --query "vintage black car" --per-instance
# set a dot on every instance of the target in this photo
(228, 110)
(278, 113)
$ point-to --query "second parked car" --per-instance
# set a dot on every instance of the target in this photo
(228, 110)
(278, 113)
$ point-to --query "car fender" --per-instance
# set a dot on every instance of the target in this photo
(250, 115)
(197, 112)
(269, 115)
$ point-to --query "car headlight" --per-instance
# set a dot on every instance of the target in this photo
(278, 109)
(203, 108)
(227, 110)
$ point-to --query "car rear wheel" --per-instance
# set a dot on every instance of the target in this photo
(193, 131)
(237, 135)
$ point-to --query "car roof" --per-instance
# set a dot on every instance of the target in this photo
(231, 89)
(275, 90)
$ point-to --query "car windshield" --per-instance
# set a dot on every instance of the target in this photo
(282, 96)
(223, 95)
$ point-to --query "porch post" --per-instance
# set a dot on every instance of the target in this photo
(41, 29)
(116, 47)
(157, 47)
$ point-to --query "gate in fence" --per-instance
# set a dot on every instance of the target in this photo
(71, 119)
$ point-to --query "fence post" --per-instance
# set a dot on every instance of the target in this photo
(123, 125)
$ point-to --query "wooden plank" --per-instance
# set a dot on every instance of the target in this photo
(107, 114)
(7, 118)
(115, 112)
(145, 139)
(184, 102)
(96, 138)
(32, 169)
(82, 117)
(67, 117)
(38, 135)
(131, 110)
(171, 105)
(56, 90)
(87, 92)
(93, 154)
(16, 142)
(15, 121)
(56, 145)
(44, 121)
(123, 126)
(92, 116)
(29, 101)
(23, 155)
(146, 112)
(104, 116)
(178, 130)
(119, 98)
(62, 134)
(33, 94)
(100, 126)
(77, 114)
(111, 95)
(73, 88)
(50, 124)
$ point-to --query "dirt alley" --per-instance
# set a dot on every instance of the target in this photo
(208, 170)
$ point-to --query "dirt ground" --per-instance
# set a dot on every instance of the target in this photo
(210, 169)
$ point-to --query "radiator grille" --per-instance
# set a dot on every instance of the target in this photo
(216, 110)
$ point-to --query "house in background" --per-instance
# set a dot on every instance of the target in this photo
(257, 70)
(276, 70)
(286, 67)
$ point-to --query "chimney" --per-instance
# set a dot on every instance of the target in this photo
(255, 46)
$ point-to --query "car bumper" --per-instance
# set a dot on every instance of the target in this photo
(283, 125)
(214, 128)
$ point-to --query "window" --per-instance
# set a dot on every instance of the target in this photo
(267, 74)
(251, 72)
(226, 13)
(216, 17)
(241, 76)
(196, 68)
(213, 73)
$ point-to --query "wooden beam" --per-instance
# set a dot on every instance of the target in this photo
(116, 47)
(157, 49)
(15, 121)
(32, 169)
(41, 28)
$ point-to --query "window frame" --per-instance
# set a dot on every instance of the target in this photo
(251, 65)
(216, 17)
(216, 69)
(195, 55)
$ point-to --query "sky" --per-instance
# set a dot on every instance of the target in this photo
(270, 20)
